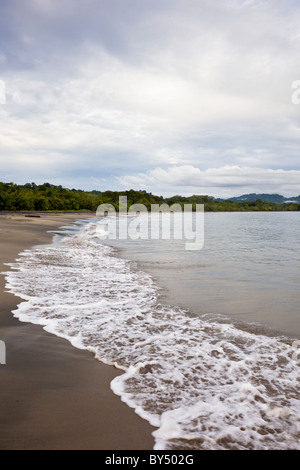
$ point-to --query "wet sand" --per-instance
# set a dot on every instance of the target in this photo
(52, 395)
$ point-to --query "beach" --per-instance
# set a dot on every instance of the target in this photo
(52, 395)
(199, 381)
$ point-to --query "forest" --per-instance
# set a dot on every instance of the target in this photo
(31, 197)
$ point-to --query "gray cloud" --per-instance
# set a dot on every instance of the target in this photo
(101, 92)
(226, 181)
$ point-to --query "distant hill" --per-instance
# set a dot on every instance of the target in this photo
(276, 198)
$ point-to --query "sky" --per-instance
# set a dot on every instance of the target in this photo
(168, 96)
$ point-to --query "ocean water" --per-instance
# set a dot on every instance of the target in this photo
(207, 339)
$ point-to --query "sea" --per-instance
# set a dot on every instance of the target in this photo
(207, 339)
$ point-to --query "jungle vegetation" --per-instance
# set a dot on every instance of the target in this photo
(48, 197)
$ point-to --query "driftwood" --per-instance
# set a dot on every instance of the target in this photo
(32, 215)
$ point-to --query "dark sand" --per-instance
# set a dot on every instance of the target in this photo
(52, 395)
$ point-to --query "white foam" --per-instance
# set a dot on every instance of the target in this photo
(202, 383)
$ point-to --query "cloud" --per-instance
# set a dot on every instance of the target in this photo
(98, 90)
(223, 182)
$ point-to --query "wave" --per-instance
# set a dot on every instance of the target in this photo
(202, 383)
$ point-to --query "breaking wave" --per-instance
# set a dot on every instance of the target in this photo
(204, 384)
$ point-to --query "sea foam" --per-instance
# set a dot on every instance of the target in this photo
(204, 384)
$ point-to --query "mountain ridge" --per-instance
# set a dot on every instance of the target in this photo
(265, 197)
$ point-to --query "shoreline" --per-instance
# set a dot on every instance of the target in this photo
(52, 395)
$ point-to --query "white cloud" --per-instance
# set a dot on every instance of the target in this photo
(220, 182)
(132, 88)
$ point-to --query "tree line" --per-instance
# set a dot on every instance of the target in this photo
(48, 197)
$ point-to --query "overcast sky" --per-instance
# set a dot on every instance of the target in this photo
(170, 96)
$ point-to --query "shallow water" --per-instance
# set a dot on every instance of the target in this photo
(194, 366)
(248, 269)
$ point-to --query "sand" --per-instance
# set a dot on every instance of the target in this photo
(52, 395)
